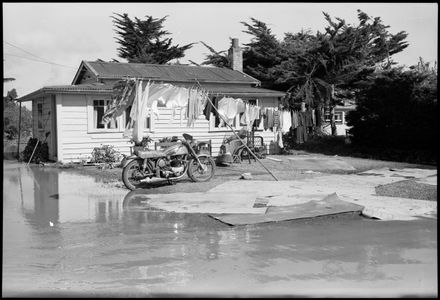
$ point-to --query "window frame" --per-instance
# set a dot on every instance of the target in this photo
(91, 120)
(237, 126)
(336, 113)
(125, 116)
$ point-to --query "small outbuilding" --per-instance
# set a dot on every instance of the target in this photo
(68, 117)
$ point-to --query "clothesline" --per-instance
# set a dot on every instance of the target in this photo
(196, 83)
(192, 102)
(144, 96)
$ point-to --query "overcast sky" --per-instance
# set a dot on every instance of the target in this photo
(66, 33)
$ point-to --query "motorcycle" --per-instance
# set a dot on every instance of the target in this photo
(233, 150)
(171, 164)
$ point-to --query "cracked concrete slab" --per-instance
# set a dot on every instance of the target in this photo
(354, 188)
(319, 163)
(239, 196)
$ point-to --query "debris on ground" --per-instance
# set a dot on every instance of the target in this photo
(329, 205)
(247, 176)
(247, 196)
(274, 159)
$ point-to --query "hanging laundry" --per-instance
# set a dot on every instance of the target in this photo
(254, 112)
(280, 127)
(122, 90)
(209, 108)
(134, 106)
(227, 108)
(162, 93)
(276, 118)
(141, 111)
(203, 96)
(241, 105)
(244, 120)
(218, 118)
(294, 119)
(269, 118)
(280, 139)
(257, 121)
(178, 97)
(192, 107)
(286, 121)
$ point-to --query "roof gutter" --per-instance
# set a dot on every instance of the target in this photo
(48, 91)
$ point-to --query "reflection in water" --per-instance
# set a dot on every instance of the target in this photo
(60, 197)
(107, 240)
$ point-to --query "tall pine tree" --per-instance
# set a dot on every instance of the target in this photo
(216, 58)
(262, 53)
(317, 66)
(144, 41)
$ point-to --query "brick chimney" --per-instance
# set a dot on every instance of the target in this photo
(236, 56)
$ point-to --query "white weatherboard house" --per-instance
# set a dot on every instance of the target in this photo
(71, 113)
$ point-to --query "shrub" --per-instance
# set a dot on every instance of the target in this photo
(105, 154)
(41, 153)
(396, 110)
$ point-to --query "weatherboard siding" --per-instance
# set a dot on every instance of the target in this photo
(77, 143)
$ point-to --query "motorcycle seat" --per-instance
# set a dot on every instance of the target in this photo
(150, 154)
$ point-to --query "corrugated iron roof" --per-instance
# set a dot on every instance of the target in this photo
(89, 88)
(169, 73)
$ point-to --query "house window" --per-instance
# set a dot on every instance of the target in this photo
(40, 115)
(99, 108)
(216, 125)
(338, 117)
(147, 122)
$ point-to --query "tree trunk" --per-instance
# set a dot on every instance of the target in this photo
(332, 121)
(332, 110)
(319, 120)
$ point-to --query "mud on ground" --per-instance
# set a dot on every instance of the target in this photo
(282, 169)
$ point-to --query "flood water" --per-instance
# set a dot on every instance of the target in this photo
(72, 235)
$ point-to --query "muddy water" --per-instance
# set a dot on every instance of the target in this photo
(71, 235)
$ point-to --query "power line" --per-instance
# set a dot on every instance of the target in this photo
(41, 59)
(23, 50)
(50, 63)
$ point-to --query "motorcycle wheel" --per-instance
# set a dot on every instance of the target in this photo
(130, 175)
(196, 173)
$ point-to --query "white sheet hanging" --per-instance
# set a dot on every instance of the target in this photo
(227, 108)
(254, 112)
(141, 111)
(178, 98)
(287, 121)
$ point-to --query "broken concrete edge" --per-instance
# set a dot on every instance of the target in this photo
(218, 216)
(308, 210)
